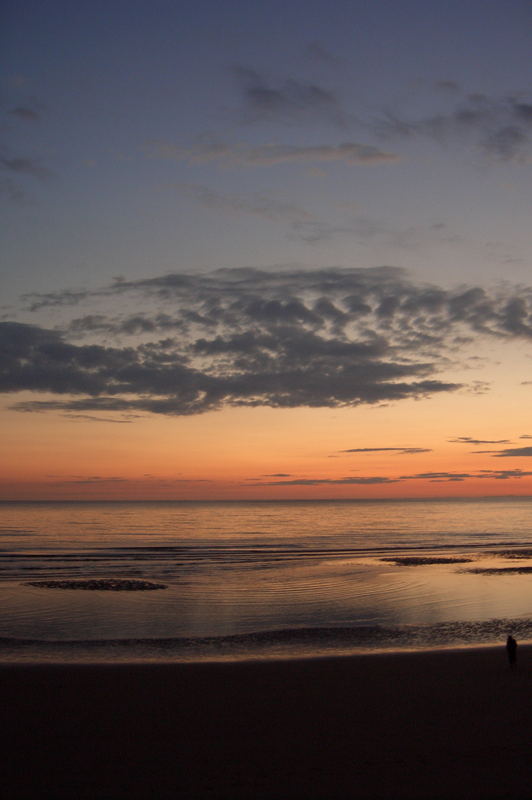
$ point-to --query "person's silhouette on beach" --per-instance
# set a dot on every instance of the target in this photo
(511, 649)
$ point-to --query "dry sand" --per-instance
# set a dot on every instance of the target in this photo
(453, 724)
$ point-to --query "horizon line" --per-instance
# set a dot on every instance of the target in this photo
(279, 499)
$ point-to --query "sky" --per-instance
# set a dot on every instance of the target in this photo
(263, 250)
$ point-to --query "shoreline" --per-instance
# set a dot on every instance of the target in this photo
(494, 650)
(525, 650)
(446, 723)
(263, 646)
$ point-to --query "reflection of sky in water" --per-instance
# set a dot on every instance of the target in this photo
(246, 568)
(231, 601)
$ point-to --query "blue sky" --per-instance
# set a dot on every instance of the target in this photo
(123, 105)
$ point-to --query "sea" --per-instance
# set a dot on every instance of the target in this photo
(260, 580)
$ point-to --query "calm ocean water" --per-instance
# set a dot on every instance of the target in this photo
(263, 579)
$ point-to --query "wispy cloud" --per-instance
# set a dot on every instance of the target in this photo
(496, 474)
(470, 440)
(430, 477)
(400, 450)
(258, 204)
(447, 85)
(207, 150)
(513, 452)
(93, 418)
(348, 481)
(15, 170)
(437, 476)
(11, 190)
(103, 480)
(23, 165)
(301, 223)
(287, 100)
(498, 127)
(316, 52)
(25, 113)
(95, 479)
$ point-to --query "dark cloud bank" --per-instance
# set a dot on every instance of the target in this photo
(245, 337)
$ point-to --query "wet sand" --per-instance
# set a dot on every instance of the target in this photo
(453, 724)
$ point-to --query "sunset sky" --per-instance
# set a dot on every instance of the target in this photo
(266, 249)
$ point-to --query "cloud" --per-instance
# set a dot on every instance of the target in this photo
(257, 204)
(401, 450)
(137, 482)
(92, 418)
(313, 231)
(512, 452)
(384, 298)
(499, 127)
(349, 481)
(66, 297)
(496, 474)
(303, 224)
(20, 165)
(437, 476)
(447, 86)
(283, 338)
(128, 324)
(431, 477)
(95, 479)
(470, 440)
(25, 113)
(288, 101)
(315, 51)
(13, 170)
(503, 474)
(206, 150)
(276, 350)
(11, 190)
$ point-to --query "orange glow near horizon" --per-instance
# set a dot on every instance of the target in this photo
(263, 453)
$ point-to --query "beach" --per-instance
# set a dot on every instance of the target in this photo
(435, 724)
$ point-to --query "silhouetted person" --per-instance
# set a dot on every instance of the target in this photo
(511, 649)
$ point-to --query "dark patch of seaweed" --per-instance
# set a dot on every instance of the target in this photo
(500, 570)
(102, 584)
(414, 561)
(521, 553)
